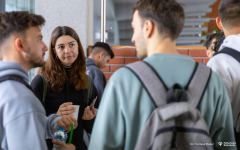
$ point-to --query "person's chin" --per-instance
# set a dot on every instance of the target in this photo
(70, 59)
(141, 57)
(68, 63)
(41, 64)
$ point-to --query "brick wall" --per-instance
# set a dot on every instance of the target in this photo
(125, 55)
(214, 14)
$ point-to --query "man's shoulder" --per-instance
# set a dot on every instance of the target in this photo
(215, 79)
(16, 93)
(222, 57)
(214, 90)
(94, 71)
(123, 75)
(14, 87)
(225, 65)
(93, 68)
(17, 100)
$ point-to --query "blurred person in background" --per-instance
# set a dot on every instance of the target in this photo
(100, 55)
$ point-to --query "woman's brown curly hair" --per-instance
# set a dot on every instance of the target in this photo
(53, 70)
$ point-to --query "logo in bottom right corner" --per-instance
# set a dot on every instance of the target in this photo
(227, 143)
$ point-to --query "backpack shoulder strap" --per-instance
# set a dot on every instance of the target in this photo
(90, 87)
(151, 81)
(198, 83)
(16, 78)
(156, 88)
(235, 54)
(44, 89)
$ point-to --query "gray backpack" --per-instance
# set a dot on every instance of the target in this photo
(176, 123)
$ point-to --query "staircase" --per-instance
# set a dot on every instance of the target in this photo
(119, 17)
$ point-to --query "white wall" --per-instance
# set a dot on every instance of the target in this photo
(72, 13)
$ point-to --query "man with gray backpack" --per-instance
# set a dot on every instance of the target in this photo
(167, 101)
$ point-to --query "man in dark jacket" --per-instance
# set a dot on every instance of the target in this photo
(99, 57)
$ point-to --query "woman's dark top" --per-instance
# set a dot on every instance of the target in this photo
(53, 101)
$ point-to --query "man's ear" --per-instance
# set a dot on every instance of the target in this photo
(101, 55)
(19, 44)
(219, 23)
(148, 28)
(208, 53)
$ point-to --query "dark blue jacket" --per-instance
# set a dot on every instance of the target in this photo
(99, 79)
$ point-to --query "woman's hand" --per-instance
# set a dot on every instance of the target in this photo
(65, 109)
(88, 114)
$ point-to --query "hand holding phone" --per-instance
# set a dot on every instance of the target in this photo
(93, 103)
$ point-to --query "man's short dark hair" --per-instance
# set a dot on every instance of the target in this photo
(219, 40)
(17, 22)
(167, 15)
(103, 45)
(210, 39)
(229, 12)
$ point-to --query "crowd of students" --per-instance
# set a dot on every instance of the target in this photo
(134, 108)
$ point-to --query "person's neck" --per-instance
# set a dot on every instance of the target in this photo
(93, 58)
(165, 46)
(68, 68)
(17, 59)
(232, 31)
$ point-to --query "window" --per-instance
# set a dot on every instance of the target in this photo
(20, 5)
(118, 21)
(119, 16)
